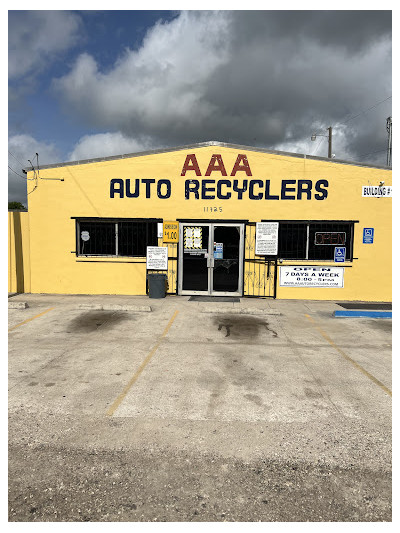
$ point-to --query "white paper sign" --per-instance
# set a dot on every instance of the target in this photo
(157, 258)
(192, 238)
(188, 242)
(303, 276)
(267, 238)
(85, 235)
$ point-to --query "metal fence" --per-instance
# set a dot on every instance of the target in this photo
(259, 274)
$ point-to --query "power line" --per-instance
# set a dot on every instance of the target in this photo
(23, 177)
(353, 117)
(364, 111)
(15, 158)
(317, 148)
(370, 153)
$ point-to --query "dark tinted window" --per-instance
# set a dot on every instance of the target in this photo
(122, 238)
(101, 238)
(292, 240)
(134, 237)
(325, 236)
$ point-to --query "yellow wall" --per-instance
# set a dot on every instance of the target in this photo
(85, 192)
(19, 275)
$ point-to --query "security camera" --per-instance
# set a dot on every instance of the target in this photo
(381, 183)
(333, 156)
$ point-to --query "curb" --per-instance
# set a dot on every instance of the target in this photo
(17, 305)
(239, 311)
(110, 307)
(362, 314)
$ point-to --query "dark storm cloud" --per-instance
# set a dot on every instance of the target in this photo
(352, 30)
(294, 68)
(264, 78)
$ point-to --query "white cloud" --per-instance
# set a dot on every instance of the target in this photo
(319, 147)
(247, 77)
(107, 144)
(22, 148)
(255, 78)
(158, 88)
(35, 37)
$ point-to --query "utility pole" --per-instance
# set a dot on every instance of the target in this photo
(330, 142)
(314, 137)
(389, 147)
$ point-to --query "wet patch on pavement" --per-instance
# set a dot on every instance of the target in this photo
(383, 325)
(242, 326)
(93, 320)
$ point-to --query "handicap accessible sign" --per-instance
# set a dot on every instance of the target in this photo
(368, 236)
(340, 254)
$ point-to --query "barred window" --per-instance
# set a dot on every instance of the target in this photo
(113, 237)
(292, 240)
(314, 240)
(325, 236)
(101, 239)
(133, 237)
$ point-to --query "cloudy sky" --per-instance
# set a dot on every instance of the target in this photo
(99, 83)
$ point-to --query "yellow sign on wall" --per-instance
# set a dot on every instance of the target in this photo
(171, 231)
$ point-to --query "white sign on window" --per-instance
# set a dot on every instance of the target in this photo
(157, 258)
(267, 238)
(304, 276)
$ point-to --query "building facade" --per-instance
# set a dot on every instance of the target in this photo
(235, 220)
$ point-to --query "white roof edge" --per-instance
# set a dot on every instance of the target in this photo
(205, 144)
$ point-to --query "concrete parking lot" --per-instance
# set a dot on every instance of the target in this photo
(263, 410)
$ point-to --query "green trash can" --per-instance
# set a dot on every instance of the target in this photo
(157, 285)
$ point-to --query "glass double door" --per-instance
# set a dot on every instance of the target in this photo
(211, 259)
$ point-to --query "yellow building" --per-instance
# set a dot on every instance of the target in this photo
(234, 220)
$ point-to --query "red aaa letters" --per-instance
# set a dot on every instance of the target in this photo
(216, 164)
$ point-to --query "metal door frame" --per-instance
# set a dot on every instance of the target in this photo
(180, 261)
(210, 259)
(239, 292)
